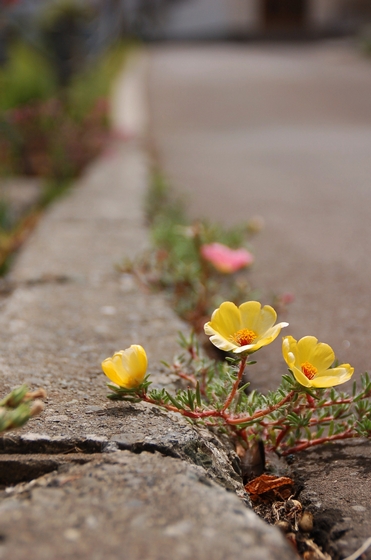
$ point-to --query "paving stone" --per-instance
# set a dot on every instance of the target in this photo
(92, 478)
(337, 490)
(132, 506)
(283, 132)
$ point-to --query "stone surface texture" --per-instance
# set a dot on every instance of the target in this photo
(91, 478)
(284, 132)
(133, 506)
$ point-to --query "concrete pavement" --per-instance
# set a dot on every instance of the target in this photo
(285, 133)
(90, 478)
(94, 479)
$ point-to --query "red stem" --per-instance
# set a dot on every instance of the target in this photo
(310, 401)
(346, 401)
(189, 378)
(235, 385)
(280, 437)
(188, 413)
(345, 435)
(343, 401)
(221, 413)
(260, 413)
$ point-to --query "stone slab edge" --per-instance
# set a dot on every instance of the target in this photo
(113, 479)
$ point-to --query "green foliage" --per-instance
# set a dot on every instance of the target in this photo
(57, 10)
(96, 81)
(46, 131)
(27, 77)
(175, 264)
(287, 420)
(5, 216)
(18, 407)
(159, 203)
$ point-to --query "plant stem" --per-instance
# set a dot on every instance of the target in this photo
(183, 412)
(310, 443)
(236, 384)
(260, 413)
(187, 377)
(280, 437)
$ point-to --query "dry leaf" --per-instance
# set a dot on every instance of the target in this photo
(269, 488)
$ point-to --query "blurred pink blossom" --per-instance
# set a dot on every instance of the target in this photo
(225, 259)
(287, 298)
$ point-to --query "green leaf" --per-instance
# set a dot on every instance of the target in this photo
(243, 387)
(320, 432)
(198, 395)
(331, 428)
(233, 361)
(289, 379)
(13, 399)
(174, 401)
(191, 399)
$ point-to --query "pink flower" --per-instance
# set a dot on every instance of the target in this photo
(225, 259)
(287, 298)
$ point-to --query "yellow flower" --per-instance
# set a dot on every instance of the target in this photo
(127, 368)
(310, 360)
(243, 329)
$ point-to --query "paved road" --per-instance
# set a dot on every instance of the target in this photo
(285, 133)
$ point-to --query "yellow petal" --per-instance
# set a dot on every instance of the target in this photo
(109, 369)
(266, 319)
(319, 354)
(300, 377)
(305, 348)
(226, 320)
(127, 368)
(250, 314)
(333, 377)
(219, 341)
(289, 349)
(136, 363)
(117, 360)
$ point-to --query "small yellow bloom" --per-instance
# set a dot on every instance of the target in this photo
(127, 368)
(243, 329)
(310, 360)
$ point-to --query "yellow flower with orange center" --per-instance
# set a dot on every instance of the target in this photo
(243, 329)
(127, 368)
(310, 361)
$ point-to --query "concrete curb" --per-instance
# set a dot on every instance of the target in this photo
(112, 480)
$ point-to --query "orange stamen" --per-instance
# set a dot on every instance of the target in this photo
(244, 337)
(308, 370)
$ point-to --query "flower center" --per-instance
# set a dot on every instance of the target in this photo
(244, 337)
(308, 370)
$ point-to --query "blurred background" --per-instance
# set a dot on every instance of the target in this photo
(257, 107)
(58, 57)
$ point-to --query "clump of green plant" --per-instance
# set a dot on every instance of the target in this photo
(46, 131)
(198, 264)
(26, 77)
(19, 406)
(305, 410)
